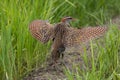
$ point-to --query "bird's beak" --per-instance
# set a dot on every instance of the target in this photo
(74, 19)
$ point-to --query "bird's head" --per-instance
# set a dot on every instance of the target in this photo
(67, 19)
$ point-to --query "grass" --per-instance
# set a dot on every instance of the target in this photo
(20, 53)
(105, 66)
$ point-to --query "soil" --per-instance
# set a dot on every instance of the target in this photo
(57, 71)
(70, 61)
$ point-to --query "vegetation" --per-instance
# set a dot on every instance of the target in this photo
(106, 64)
(21, 53)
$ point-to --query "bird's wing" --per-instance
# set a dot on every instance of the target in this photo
(41, 30)
(75, 37)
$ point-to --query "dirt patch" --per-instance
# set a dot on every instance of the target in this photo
(70, 61)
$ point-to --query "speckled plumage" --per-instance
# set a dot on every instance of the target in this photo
(43, 31)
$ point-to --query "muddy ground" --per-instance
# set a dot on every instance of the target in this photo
(70, 61)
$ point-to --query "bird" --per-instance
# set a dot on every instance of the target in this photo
(44, 31)
(59, 32)
(67, 37)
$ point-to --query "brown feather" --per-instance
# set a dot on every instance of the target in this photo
(43, 31)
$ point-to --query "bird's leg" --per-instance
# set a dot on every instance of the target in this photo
(61, 49)
(55, 64)
(55, 56)
(62, 55)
